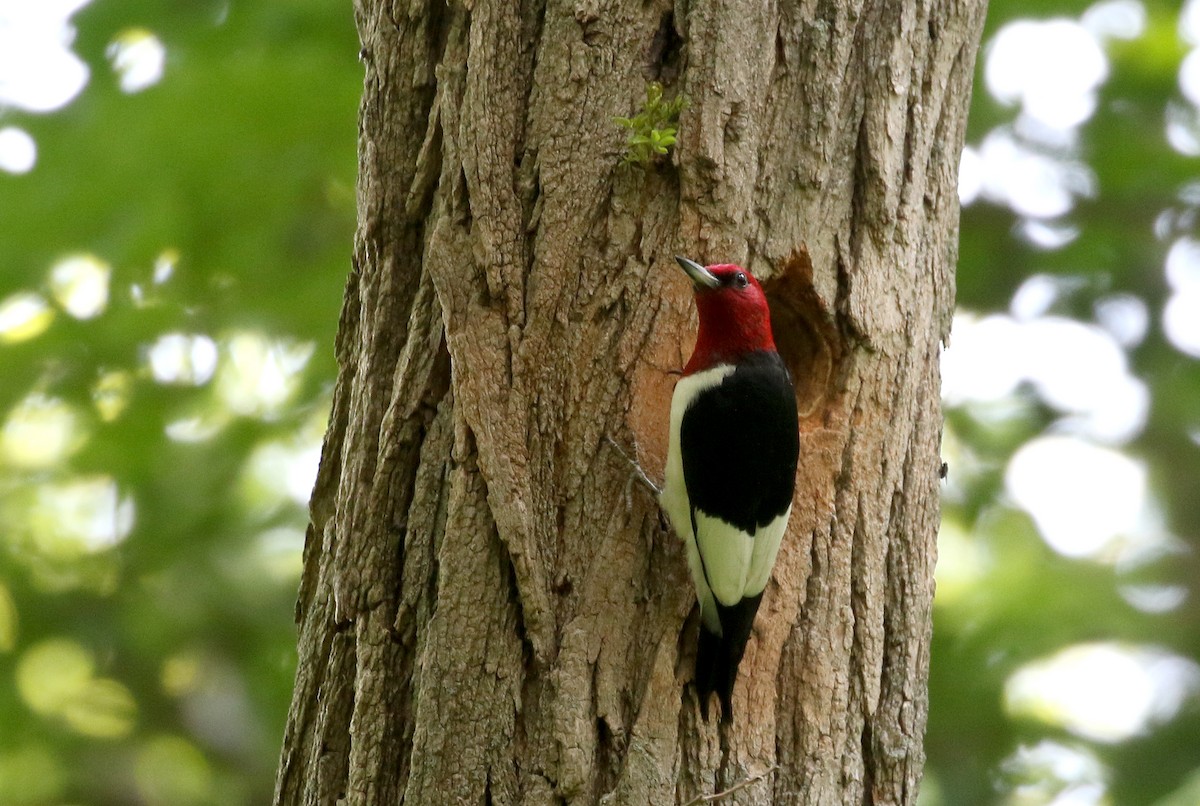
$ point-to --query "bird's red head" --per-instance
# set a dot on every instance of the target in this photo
(734, 317)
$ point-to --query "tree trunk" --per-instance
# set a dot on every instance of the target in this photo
(492, 610)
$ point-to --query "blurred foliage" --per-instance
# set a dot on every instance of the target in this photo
(147, 581)
(1006, 599)
(173, 268)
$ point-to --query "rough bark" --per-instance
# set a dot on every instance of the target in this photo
(492, 611)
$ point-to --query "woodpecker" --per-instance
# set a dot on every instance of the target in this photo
(731, 467)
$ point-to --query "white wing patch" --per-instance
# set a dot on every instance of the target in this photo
(738, 564)
(766, 546)
(727, 553)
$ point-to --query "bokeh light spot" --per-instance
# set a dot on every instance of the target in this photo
(1103, 691)
(18, 151)
(1086, 500)
(1046, 235)
(170, 770)
(1050, 773)
(56, 679)
(970, 176)
(1189, 77)
(1051, 68)
(1189, 22)
(180, 673)
(962, 562)
(199, 428)
(38, 71)
(105, 709)
(164, 265)
(280, 553)
(1034, 297)
(1154, 598)
(261, 374)
(53, 672)
(1182, 126)
(1029, 182)
(80, 516)
(111, 394)
(137, 57)
(1181, 314)
(1125, 317)
(278, 471)
(24, 316)
(80, 284)
(180, 358)
(40, 432)
(1118, 19)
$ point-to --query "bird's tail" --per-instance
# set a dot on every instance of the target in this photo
(713, 673)
(718, 656)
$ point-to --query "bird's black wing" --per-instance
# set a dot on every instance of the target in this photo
(740, 441)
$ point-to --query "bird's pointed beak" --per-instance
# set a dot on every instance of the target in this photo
(701, 277)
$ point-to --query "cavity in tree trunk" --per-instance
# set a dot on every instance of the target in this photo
(492, 611)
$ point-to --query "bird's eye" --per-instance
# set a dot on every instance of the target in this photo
(740, 280)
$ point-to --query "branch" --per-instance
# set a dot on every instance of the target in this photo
(715, 796)
(639, 474)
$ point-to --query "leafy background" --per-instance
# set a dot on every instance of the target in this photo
(172, 266)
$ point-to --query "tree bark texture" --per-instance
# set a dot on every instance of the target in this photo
(492, 610)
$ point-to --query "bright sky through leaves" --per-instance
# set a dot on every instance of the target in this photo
(38, 70)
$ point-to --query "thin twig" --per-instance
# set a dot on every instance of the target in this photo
(637, 469)
(715, 796)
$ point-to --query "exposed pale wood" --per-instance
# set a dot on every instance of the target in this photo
(491, 612)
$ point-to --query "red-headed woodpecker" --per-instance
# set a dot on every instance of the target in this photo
(731, 466)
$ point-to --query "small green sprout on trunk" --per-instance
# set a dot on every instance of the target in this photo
(652, 131)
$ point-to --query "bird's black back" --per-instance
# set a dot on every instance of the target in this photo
(739, 443)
